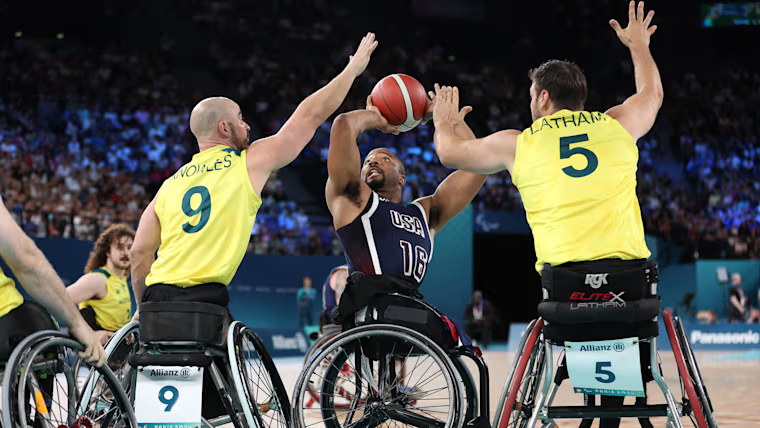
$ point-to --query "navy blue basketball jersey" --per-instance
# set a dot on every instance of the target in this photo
(388, 239)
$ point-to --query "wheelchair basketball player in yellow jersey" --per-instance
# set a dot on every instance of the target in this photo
(202, 216)
(575, 170)
(102, 293)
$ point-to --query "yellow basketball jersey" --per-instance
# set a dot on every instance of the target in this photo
(10, 298)
(115, 310)
(576, 173)
(207, 210)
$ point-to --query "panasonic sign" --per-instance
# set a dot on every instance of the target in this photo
(735, 338)
(295, 343)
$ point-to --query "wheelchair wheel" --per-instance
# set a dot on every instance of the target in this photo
(395, 375)
(470, 390)
(692, 401)
(40, 389)
(257, 380)
(696, 376)
(321, 340)
(314, 389)
(522, 384)
(119, 347)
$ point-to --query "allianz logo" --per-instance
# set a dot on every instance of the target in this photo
(297, 342)
(745, 338)
(184, 372)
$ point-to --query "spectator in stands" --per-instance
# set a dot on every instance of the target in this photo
(305, 299)
(479, 319)
(740, 308)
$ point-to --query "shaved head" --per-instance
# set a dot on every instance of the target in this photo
(219, 120)
(205, 118)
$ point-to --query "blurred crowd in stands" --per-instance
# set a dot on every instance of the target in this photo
(87, 136)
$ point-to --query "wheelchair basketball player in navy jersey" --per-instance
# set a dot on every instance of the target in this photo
(387, 244)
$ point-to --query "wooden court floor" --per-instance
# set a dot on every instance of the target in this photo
(732, 379)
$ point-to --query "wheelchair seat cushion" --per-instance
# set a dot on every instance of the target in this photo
(183, 322)
(412, 313)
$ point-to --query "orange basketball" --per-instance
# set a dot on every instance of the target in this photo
(401, 100)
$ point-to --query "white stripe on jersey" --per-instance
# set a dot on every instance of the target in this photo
(367, 225)
(409, 123)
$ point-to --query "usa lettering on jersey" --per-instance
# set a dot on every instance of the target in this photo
(407, 222)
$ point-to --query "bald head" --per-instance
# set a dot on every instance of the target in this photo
(217, 121)
(207, 114)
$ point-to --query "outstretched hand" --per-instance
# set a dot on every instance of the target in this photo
(446, 109)
(638, 31)
(360, 59)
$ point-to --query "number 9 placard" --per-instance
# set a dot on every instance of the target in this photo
(605, 367)
(169, 397)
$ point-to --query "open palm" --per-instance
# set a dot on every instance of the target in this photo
(638, 30)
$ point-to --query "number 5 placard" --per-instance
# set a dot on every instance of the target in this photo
(606, 367)
(169, 397)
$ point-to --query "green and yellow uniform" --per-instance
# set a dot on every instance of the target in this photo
(576, 173)
(115, 310)
(10, 298)
(206, 210)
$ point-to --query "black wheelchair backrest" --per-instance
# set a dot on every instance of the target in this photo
(194, 322)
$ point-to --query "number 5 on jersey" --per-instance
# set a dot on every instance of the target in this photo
(204, 208)
(415, 263)
(565, 152)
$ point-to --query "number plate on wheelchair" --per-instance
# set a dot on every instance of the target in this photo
(169, 397)
(605, 367)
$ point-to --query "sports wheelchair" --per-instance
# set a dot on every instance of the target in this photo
(175, 340)
(397, 363)
(601, 340)
(41, 388)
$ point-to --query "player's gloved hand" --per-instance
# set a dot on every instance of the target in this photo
(638, 31)
(359, 60)
(93, 351)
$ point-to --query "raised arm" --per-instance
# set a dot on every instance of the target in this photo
(638, 113)
(39, 279)
(143, 253)
(272, 153)
(458, 189)
(344, 184)
(488, 155)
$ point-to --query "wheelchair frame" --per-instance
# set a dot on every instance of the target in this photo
(194, 354)
(695, 401)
